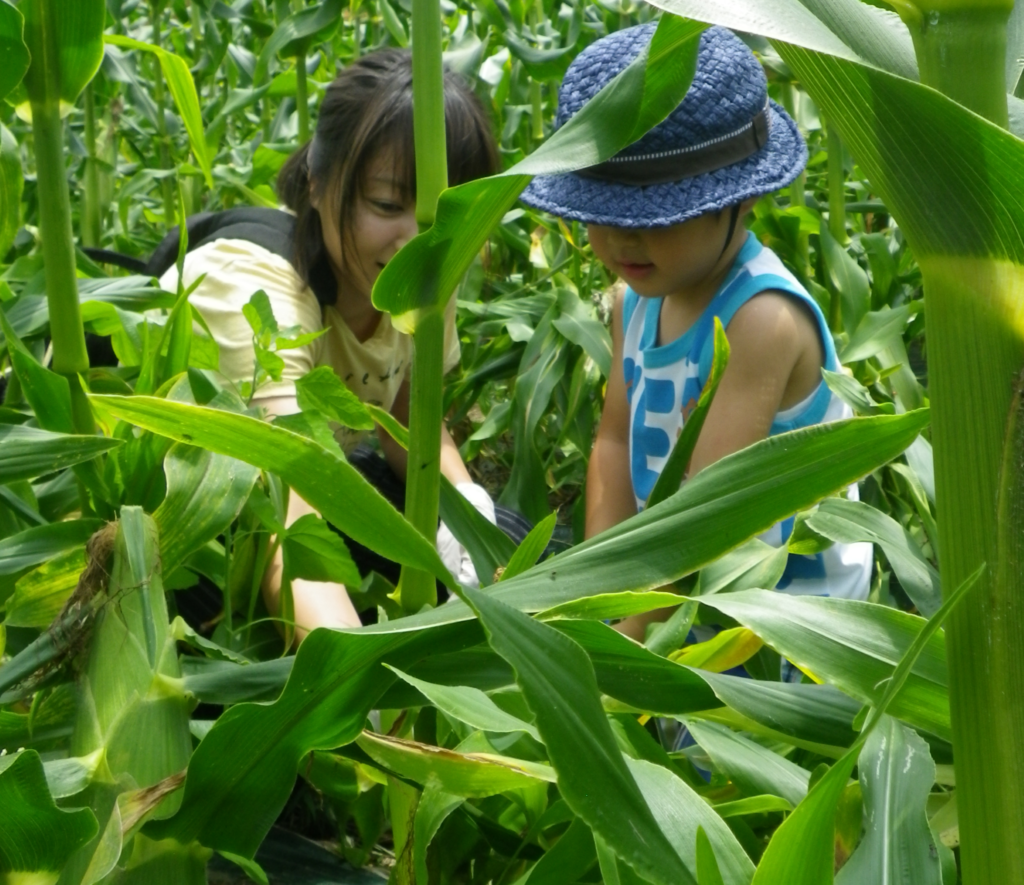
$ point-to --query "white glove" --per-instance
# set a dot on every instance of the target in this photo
(452, 553)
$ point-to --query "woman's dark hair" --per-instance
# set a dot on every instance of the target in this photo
(368, 109)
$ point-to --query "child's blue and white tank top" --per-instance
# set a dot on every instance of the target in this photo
(664, 383)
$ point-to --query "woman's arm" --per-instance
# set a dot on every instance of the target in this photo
(316, 603)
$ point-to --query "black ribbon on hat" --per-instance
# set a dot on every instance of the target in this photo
(663, 167)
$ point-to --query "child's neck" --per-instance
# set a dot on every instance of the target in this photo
(680, 310)
(359, 314)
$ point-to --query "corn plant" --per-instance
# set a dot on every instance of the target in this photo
(517, 734)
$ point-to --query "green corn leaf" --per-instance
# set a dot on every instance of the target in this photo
(434, 807)
(489, 547)
(707, 866)
(848, 279)
(674, 471)
(12, 179)
(852, 645)
(570, 857)
(753, 805)
(426, 271)
(183, 89)
(297, 33)
(43, 542)
(205, 493)
(243, 771)
(681, 813)
(849, 30)
(802, 850)
(558, 682)
(66, 42)
(14, 57)
(47, 392)
(540, 64)
(29, 452)
(323, 391)
(393, 23)
(37, 836)
(850, 521)
(530, 550)
(324, 479)
(40, 595)
(896, 776)
(461, 774)
(469, 705)
(878, 330)
(818, 713)
(577, 323)
(313, 552)
(721, 507)
(756, 770)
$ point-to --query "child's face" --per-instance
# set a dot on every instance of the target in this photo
(660, 261)
(384, 220)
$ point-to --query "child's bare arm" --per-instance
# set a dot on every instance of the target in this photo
(609, 487)
(775, 363)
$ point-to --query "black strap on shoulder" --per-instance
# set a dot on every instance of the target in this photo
(269, 228)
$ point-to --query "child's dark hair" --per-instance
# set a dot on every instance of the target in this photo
(367, 109)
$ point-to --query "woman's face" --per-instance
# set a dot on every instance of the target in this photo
(384, 220)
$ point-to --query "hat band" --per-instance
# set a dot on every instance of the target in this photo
(668, 166)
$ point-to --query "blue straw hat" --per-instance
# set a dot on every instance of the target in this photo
(724, 142)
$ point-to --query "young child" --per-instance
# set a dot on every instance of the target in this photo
(666, 215)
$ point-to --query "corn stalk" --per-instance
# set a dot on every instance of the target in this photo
(425, 415)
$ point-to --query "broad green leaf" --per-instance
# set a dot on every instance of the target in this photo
(721, 507)
(752, 805)
(681, 812)
(37, 836)
(14, 57)
(469, 705)
(577, 323)
(12, 179)
(818, 713)
(40, 595)
(297, 32)
(674, 471)
(461, 774)
(220, 682)
(324, 480)
(896, 777)
(66, 43)
(754, 565)
(530, 550)
(489, 547)
(43, 542)
(877, 329)
(635, 676)
(852, 645)
(728, 649)
(847, 28)
(855, 394)
(205, 493)
(540, 64)
(432, 810)
(850, 521)
(426, 271)
(243, 771)
(611, 606)
(314, 552)
(848, 279)
(323, 391)
(707, 865)
(29, 452)
(756, 770)
(802, 850)
(570, 857)
(183, 89)
(558, 681)
(393, 23)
